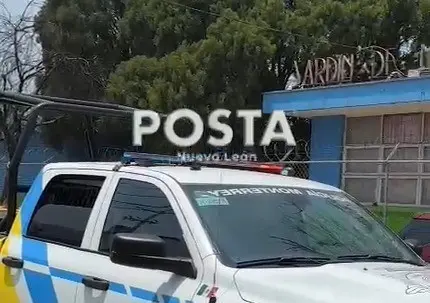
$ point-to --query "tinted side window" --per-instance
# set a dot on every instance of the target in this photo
(63, 210)
(140, 207)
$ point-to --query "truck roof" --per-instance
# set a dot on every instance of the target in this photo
(207, 175)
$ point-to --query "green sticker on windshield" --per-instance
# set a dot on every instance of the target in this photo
(212, 201)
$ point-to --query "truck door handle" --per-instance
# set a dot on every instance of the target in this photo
(13, 262)
(95, 283)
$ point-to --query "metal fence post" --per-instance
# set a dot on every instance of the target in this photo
(384, 215)
(386, 170)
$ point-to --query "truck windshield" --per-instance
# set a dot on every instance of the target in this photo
(248, 223)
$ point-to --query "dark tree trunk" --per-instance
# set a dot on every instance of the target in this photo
(4, 191)
(10, 139)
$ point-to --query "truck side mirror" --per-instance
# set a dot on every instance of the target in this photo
(126, 246)
(412, 243)
(147, 251)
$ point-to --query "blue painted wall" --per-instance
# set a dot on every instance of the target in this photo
(327, 132)
(327, 144)
(381, 93)
(33, 160)
(37, 154)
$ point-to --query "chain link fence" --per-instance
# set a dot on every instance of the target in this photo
(392, 185)
(388, 183)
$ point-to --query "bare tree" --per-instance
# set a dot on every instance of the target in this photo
(25, 68)
(20, 53)
(20, 63)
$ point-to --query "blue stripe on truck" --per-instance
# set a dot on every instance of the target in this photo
(35, 251)
(41, 287)
(29, 204)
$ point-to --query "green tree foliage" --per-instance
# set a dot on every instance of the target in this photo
(424, 25)
(81, 39)
(156, 28)
(166, 54)
(81, 43)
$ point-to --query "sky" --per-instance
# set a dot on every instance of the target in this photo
(15, 7)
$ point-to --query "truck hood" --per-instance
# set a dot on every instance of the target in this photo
(345, 283)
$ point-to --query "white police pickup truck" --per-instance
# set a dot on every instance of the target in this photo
(142, 232)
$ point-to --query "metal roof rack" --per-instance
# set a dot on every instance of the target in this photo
(39, 104)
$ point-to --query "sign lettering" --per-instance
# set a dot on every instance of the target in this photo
(365, 65)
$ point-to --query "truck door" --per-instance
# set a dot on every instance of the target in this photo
(140, 205)
(45, 250)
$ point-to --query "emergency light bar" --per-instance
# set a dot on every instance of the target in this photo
(146, 159)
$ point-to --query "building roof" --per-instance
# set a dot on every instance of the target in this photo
(359, 99)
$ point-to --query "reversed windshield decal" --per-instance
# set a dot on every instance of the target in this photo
(211, 201)
(252, 190)
(336, 197)
(269, 190)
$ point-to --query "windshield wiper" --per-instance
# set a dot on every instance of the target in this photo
(285, 261)
(382, 258)
(318, 261)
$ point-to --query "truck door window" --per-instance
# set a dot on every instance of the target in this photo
(141, 207)
(63, 210)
